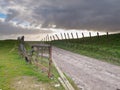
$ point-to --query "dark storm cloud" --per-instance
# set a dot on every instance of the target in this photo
(102, 15)
(82, 14)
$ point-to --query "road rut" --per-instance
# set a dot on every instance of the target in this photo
(88, 73)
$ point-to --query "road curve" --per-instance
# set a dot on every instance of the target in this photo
(88, 73)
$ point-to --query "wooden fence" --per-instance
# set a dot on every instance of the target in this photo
(37, 51)
(64, 36)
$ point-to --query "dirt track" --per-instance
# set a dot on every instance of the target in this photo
(88, 73)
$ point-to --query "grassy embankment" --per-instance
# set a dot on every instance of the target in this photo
(103, 48)
(12, 65)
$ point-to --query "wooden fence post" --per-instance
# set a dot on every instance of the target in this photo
(107, 34)
(90, 34)
(57, 36)
(47, 37)
(53, 37)
(22, 39)
(50, 38)
(68, 35)
(83, 35)
(77, 35)
(61, 36)
(50, 61)
(98, 34)
(65, 36)
(72, 35)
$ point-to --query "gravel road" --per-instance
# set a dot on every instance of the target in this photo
(88, 73)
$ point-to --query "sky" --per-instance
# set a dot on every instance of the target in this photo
(36, 18)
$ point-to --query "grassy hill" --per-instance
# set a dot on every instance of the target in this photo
(103, 48)
(15, 73)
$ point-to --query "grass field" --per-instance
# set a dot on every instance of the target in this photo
(103, 48)
(13, 66)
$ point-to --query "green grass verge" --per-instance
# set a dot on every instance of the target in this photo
(13, 66)
(103, 48)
